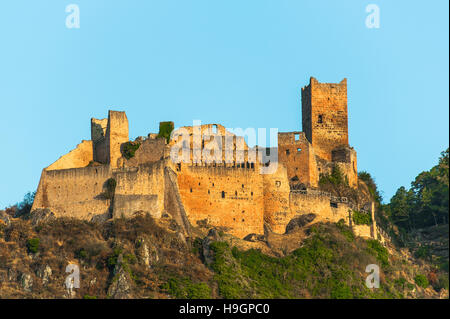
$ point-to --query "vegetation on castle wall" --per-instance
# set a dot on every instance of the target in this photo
(165, 129)
(361, 218)
(337, 184)
(129, 148)
(336, 177)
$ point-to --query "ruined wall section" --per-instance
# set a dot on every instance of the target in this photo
(326, 208)
(172, 201)
(212, 137)
(98, 137)
(223, 196)
(345, 158)
(297, 155)
(139, 188)
(324, 116)
(150, 151)
(276, 199)
(78, 157)
(75, 192)
(116, 135)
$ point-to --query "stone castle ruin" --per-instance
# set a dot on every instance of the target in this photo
(110, 176)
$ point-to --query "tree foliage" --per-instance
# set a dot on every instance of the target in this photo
(426, 202)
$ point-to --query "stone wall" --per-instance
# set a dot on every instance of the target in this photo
(75, 192)
(127, 205)
(78, 157)
(80, 192)
(150, 151)
(223, 196)
(145, 179)
(327, 208)
(276, 198)
(297, 155)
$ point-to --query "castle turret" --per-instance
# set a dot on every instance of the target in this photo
(324, 116)
(116, 135)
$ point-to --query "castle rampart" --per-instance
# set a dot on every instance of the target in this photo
(220, 184)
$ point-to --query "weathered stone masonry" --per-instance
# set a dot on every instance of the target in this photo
(235, 196)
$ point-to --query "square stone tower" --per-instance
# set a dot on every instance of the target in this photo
(107, 137)
(324, 116)
(116, 135)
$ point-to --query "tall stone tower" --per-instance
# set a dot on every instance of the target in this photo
(324, 116)
(116, 134)
(107, 137)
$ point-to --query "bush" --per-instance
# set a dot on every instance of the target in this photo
(345, 230)
(423, 253)
(421, 281)
(165, 129)
(335, 178)
(360, 218)
(81, 254)
(24, 207)
(129, 148)
(442, 282)
(33, 245)
(400, 282)
(376, 249)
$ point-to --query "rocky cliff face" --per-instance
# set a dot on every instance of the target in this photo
(142, 257)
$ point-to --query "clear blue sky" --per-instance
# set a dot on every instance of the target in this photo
(238, 63)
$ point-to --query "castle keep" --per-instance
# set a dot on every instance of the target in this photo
(101, 179)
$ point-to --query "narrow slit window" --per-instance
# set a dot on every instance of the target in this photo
(320, 119)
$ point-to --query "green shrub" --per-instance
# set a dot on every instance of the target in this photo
(375, 248)
(184, 288)
(345, 230)
(227, 272)
(165, 129)
(112, 260)
(423, 252)
(89, 297)
(400, 282)
(443, 281)
(129, 148)
(336, 177)
(421, 281)
(33, 245)
(81, 253)
(360, 218)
